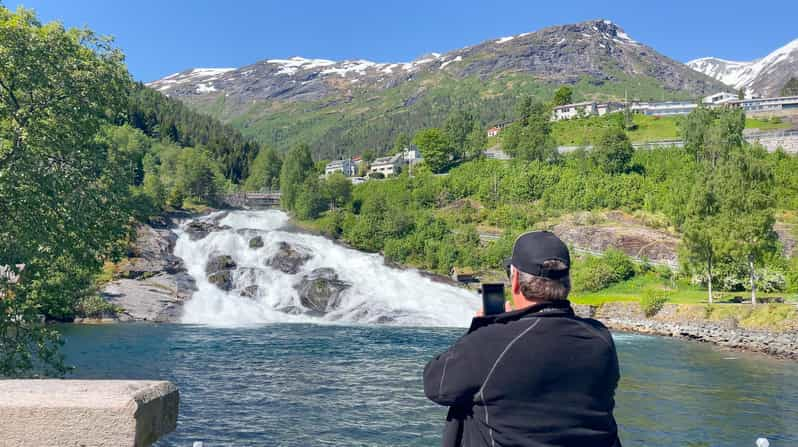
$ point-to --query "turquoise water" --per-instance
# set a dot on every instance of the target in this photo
(308, 385)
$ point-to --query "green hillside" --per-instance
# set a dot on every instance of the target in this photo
(371, 120)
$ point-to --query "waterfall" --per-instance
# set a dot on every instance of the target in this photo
(376, 294)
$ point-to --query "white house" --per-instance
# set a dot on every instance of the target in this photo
(411, 155)
(569, 111)
(387, 165)
(345, 167)
(667, 108)
(719, 98)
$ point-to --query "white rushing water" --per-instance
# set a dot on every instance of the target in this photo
(378, 293)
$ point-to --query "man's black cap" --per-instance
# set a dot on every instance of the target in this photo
(532, 249)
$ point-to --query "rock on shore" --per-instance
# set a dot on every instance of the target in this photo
(152, 283)
(668, 322)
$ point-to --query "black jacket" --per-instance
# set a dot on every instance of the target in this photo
(536, 377)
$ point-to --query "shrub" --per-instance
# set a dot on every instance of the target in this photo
(770, 280)
(592, 275)
(95, 306)
(620, 263)
(652, 302)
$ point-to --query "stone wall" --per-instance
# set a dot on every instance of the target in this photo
(788, 142)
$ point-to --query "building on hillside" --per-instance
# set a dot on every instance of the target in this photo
(496, 130)
(667, 108)
(584, 109)
(604, 108)
(411, 155)
(569, 111)
(719, 98)
(387, 166)
(345, 167)
(784, 105)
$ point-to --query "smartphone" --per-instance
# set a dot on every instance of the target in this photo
(493, 298)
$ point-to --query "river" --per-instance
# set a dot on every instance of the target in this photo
(250, 374)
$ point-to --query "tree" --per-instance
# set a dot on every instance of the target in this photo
(702, 234)
(435, 147)
(310, 200)
(337, 189)
(790, 88)
(264, 173)
(530, 137)
(197, 177)
(747, 202)
(457, 127)
(476, 142)
(64, 189)
(563, 95)
(613, 152)
(297, 166)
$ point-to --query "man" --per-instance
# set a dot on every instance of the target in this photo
(534, 376)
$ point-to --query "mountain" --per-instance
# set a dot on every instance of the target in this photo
(342, 107)
(764, 76)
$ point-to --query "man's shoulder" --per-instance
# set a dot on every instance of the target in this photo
(595, 327)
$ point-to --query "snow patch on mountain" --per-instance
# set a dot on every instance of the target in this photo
(195, 76)
(294, 64)
(746, 75)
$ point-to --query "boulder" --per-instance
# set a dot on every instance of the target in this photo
(250, 291)
(198, 229)
(219, 263)
(222, 279)
(158, 298)
(320, 291)
(150, 254)
(288, 259)
(256, 242)
(220, 271)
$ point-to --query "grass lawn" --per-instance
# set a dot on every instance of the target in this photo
(679, 292)
(578, 132)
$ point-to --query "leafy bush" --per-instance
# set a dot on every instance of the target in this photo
(652, 302)
(592, 274)
(595, 273)
(95, 306)
(770, 280)
(620, 263)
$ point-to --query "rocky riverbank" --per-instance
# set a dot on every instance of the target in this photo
(679, 320)
(151, 284)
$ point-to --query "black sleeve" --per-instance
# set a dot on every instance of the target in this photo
(455, 376)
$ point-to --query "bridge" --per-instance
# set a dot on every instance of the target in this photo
(253, 199)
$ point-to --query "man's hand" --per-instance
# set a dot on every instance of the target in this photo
(507, 308)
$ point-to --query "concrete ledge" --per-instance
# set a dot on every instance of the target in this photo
(90, 413)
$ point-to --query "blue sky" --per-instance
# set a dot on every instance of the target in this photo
(161, 37)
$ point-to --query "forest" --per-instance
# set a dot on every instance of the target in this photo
(85, 154)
